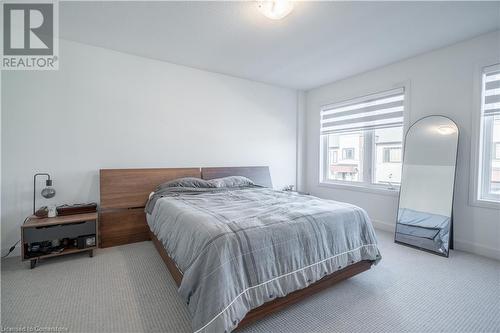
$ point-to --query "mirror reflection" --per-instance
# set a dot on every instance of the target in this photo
(428, 177)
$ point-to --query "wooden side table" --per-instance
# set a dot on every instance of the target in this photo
(39, 230)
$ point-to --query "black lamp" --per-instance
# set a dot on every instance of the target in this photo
(48, 192)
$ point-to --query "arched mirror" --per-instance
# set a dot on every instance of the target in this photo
(425, 208)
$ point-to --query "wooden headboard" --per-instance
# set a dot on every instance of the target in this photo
(124, 193)
(130, 188)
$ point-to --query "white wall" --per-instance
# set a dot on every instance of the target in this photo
(440, 82)
(418, 179)
(105, 109)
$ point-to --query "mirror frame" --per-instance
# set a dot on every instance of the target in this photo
(450, 241)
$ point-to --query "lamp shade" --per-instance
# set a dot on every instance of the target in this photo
(48, 192)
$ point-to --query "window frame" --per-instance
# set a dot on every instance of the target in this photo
(369, 141)
(477, 167)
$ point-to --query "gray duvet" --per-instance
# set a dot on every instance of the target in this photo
(239, 248)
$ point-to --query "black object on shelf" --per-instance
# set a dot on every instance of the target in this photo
(76, 209)
(85, 241)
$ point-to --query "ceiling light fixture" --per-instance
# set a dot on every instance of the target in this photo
(275, 9)
(446, 130)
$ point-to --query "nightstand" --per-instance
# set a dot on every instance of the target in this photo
(75, 233)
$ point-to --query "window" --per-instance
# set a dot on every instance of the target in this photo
(392, 155)
(368, 132)
(348, 153)
(388, 155)
(489, 185)
(333, 156)
(348, 167)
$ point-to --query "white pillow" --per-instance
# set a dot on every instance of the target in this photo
(232, 181)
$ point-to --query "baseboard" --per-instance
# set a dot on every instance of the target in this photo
(460, 245)
(384, 226)
(481, 250)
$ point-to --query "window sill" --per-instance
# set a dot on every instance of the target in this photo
(485, 203)
(375, 189)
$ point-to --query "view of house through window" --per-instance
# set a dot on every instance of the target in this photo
(388, 155)
(489, 188)
(491, 159)
(362, 139)
(387, 152)
(495, 163)
(392, 155)
(349, 166)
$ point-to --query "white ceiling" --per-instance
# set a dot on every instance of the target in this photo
(319, 42)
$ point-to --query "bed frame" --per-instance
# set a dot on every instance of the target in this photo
(124, 193)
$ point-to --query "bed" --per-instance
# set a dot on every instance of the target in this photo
(424, 230)
(239, 253)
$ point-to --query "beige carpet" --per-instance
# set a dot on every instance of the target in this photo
(128, 289)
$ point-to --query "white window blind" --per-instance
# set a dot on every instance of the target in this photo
(491, 91)
(376, 111)
(489, 165)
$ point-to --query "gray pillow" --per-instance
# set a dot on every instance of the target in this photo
(232, 181)
(186, 182)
